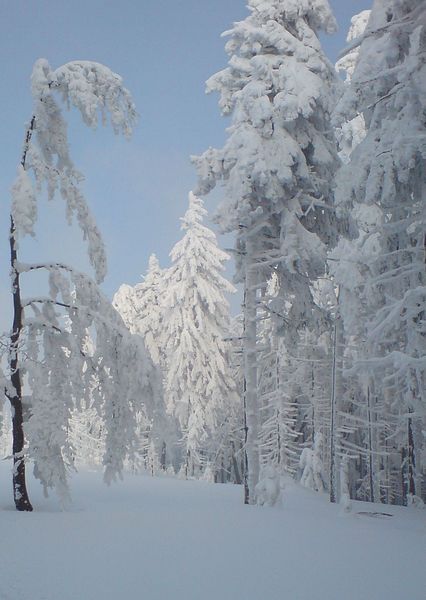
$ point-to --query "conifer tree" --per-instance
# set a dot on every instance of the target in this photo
(141, 309)
(148, 321)
(199, 384)
(277, 165)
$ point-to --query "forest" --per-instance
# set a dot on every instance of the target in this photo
(308, 401)
(319, 381)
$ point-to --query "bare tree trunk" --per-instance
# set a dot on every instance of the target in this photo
(336, 400)
(403, 476)
(408, 463)
(20, 493)
(188, 462)
(333, 486)
(411, 459)
(237, 475)
(250, 383)
(370, 445)
(245, 460)
(163, 456)
(14, 394)
(278, 409)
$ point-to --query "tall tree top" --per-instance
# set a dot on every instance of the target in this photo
(153, 264)
(198, 251)
(316, 12)
(280, 156)
(195, 213)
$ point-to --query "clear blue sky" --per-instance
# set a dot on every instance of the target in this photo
(137, 189)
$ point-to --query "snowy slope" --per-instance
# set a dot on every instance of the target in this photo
(160, 539)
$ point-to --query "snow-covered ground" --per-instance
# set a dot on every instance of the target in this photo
(160, 539)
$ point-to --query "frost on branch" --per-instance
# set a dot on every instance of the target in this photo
(92, 88)
(24, 203)
(96, 91)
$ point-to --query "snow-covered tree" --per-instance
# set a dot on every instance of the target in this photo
(68, 346)
(277, 165)
(199, 384)
(386, 176)
(141, 308)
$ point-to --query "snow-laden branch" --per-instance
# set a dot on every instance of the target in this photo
(95, 90)
(414, 18)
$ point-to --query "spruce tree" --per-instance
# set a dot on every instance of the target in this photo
(277, 166)
(141, 308)
(199, 383)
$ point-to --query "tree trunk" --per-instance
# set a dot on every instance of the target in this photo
(250, 383)
(403, 476)
(14, 394)
(337, 393)
(237, 476)
(370, 445)
(333, 486)
(245, 461)
(20, 493)
(411, 459)
(408, 463)
(163, 456)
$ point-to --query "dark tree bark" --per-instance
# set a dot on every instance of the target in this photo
(370, 446)
(408, 465)
(333, 484)
(237, 476)
(14, 394)
(163, 457)
(245, 467)
(411, 460)
(245, 463)
(403, 476)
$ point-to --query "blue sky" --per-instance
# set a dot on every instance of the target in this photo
(137, 189)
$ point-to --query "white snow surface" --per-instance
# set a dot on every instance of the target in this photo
(163, 538)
